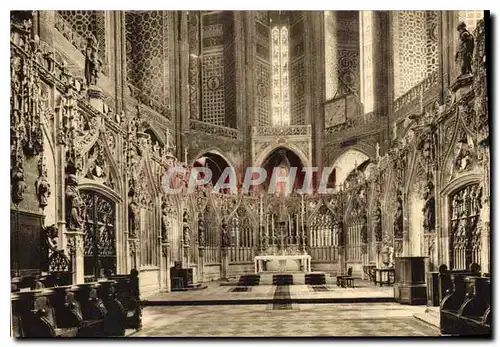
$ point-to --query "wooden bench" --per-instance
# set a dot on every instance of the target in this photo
(466, 310)
(68, 311)
(127, 293)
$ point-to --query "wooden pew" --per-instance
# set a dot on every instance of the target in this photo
(465, 311)
(128, 293)
(475, 311)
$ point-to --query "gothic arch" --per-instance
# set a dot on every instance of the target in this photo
(341, 162)
(260, 160)
(215, 151)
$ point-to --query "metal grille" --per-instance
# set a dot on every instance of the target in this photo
(99, 236)
(465, 237)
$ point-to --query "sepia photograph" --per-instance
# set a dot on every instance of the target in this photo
(250, 173)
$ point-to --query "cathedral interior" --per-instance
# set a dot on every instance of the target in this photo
(393, 103)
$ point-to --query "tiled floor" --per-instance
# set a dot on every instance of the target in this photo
(215, 291)
(374, 319)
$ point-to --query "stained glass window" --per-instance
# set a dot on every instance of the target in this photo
(280, 77)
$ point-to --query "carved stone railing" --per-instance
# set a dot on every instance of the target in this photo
(213, 129)
(416, 92)
(67, 31)
(367, 118)
(149, 100)
(291, 130)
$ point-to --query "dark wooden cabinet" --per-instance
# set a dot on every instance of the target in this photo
(181, 278)
(25, 243)
(410, 287)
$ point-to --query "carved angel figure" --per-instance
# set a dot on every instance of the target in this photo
(134, 222)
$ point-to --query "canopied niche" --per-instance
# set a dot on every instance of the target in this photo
(284, 159)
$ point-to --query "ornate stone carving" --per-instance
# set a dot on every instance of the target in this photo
(74, 244)
(18, 184)
(186, 229)
(377, 223)
(42, 184)
(75, 207)
(226, 237)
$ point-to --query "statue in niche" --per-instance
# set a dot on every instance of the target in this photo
(465, 49)
(165, 223)
(18, 184)
(92, 61)
(429, 209)
(378, 224)
(134, 222)
(42, 185)
(394, 131)
(75, 207)
(364, 228)
(377, 151)
(398, 217)
(201, 231)
(186, 229)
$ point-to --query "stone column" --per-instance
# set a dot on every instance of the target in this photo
(224, 263)
(201, 262)
(165, 265)
(74, 246)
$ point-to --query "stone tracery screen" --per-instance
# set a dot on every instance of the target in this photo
(470, 18)
(88, 22)
(244, 249)
(415, 50)
(323, 236)
(280, 76)
(465, 236)
(366, 52)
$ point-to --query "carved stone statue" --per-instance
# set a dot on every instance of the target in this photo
(42, 187)
(165, 223)
(92, 60)
(75, 207)
(201, 231)
(398, 217)
(186, 229)
(377, 151)
(18, 184)
(465, 49)
(134, 222)
(377, 225)
(429, 208)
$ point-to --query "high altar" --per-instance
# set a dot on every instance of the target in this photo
(282, 239)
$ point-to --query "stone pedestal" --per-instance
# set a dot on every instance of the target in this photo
(165, 284)
(201, 262)
(185, 256)
(96, 98)
(224, 263)
(75, 250)
(462, 86)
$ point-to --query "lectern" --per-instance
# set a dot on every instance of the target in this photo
(410, 287)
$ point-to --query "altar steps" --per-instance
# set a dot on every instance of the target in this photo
(191, 287)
